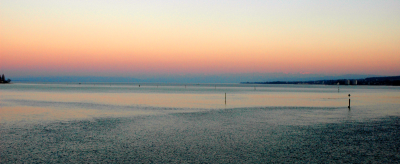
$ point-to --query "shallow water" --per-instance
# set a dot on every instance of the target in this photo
(121, 122)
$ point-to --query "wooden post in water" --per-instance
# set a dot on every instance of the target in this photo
(225, 98)
(349, 102)
(139, 85)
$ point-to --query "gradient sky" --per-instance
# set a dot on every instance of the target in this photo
(136, 38)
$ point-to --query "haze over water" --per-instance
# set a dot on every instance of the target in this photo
(207, 41)
(122, 122)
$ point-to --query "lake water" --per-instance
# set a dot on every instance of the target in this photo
(174, 123)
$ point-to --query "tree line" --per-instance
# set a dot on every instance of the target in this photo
(3, 79)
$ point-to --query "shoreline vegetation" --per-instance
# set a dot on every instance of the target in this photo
(3, 80)
(388, 80)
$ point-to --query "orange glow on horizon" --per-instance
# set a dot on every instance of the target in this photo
(118, 42)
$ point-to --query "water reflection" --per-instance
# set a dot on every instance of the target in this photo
(54, 123)
(51, 101)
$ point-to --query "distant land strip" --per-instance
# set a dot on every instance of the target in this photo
(388, 80)
(3, 80)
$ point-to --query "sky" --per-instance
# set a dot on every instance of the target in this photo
(198, 37)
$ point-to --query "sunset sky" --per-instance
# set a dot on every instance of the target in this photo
(161, 37)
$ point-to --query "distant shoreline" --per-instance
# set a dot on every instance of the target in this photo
(389, 81)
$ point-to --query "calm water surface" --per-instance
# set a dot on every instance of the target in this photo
(153, 123)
